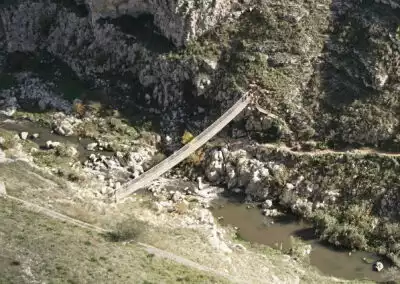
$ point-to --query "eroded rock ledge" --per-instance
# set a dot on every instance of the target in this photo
(179, 20)
(351, 197)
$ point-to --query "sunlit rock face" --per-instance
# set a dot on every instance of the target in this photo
(179, 20)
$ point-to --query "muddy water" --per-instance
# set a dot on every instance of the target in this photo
(46, 135)
(254, 227)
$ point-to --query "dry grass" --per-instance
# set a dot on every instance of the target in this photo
(258, 264)
(79, 109)
(36, 249)
(181, 208)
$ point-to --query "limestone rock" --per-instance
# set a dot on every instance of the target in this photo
(24, 135)
(91, 146)
(267, 204)
(3, 191)
(52, 145)
(9, 105)
(176, 196)
(378, 266)
(180, 20)
(64, 128)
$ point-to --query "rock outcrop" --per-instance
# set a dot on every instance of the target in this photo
(352, 198)
(322, 83)
(178, 20)
(32, 92)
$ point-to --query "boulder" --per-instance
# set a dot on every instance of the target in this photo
(91, 146)
(176, 196)
(24, 135)
(267, 204)
(3, 191)
(52, 145)
(378, 266)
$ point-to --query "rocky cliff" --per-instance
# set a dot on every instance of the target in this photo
(327, 71)
(180, 20)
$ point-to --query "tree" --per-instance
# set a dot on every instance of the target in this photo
(187, 137)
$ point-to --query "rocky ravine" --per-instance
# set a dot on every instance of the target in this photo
(180, 21)
(330, 68)
(175, 220)
(328, 71)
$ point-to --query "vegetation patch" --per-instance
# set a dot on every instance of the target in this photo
(130, 230)
(359, 192)
(56, 252)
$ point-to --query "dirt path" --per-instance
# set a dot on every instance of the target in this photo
(150, 249)
(361, 151)
(55, 215)
(186, 262)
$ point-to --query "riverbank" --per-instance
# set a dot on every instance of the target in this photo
(174, 218)
(175, 223)
(349, 197)
(187, 208)
(290, 234)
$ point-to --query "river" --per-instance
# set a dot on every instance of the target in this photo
(275, 232)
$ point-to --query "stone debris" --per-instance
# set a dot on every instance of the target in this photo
(3, 191)
(24, 135)
(378, 266)
(52, 144)
(91, 146)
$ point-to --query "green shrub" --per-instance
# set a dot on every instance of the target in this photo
(63, 151)
(116, 124)
(127, 231)
(71, 175)
(9, 142)
(299, 249)
(349, 227)
(88, 129)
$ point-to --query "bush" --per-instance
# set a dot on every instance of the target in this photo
(117, 125)
(94, 107)
(348, 236)
(88, 129)
(148, 138)
(8, 141)
(343, 228)
(196, 158)
(127, 231)
(79, 108)
(63, 151)
(71, 175)
(181, 207)
(187, 137)
(299, 249)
